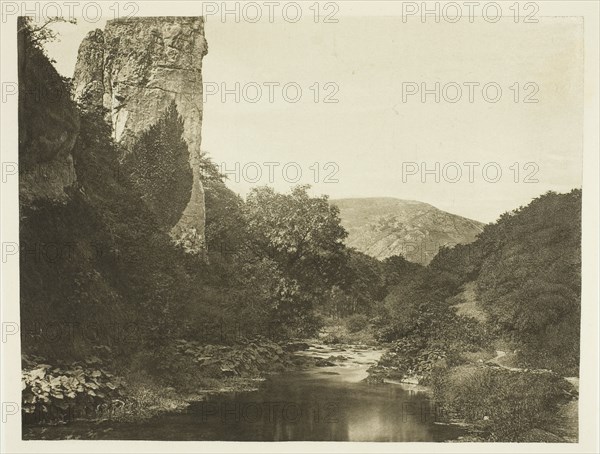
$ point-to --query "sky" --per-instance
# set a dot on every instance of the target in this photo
(379, 139)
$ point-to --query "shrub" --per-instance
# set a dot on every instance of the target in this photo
(409, 357)
(506, 404)
(189, 365)
(357, 322)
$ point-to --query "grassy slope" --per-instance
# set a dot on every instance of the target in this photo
(555, 421)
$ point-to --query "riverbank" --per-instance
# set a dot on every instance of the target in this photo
(483, 395)
(323, 396)
(487, 394)
(180, 373)
(184, 373)
(502, 405)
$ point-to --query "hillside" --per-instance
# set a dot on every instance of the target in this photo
(385, 226)
(493, 326)
(526, 272)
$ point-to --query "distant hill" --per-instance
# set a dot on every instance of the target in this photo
(384, 226)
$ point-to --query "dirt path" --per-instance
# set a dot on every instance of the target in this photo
(497, 361)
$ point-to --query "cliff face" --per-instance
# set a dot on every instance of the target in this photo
(382, 227)
(48, 128)
(136, 68)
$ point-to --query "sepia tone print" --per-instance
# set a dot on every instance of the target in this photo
(318, 227)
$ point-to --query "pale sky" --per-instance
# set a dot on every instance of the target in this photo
(371, 132)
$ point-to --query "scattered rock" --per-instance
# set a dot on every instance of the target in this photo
(338, 358)
(297, 346)
(324, 363)
(410, 380)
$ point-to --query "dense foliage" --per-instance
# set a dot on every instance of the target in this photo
(159, 167)
(527, 271)
(301, 233)
(47, 115)
(530, 279)
(505, 405)
(101, 269)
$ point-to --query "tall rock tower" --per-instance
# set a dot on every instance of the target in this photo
(136, 68)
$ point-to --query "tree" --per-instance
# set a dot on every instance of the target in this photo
(301, 233)
(225, 229)
(159, 167)
(362, 285)
(396, 269)
(40, 33)
(303, 236)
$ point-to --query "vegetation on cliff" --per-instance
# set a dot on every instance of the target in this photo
(101, 278)
(158, 166)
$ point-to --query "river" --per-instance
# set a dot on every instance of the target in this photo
(330, 403)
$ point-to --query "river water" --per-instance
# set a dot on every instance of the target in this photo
(330, 403)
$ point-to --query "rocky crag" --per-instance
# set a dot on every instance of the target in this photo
(48, 128)
(136, 68)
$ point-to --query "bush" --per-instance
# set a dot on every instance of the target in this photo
(505, 404)
(409, 358)
(189, 365)
(357, 322)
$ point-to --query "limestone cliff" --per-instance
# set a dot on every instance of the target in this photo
(136, 68)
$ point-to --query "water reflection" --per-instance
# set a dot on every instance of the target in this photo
(308, 407)
(322, 404)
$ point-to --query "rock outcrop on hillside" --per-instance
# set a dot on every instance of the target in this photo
(48, 128)
(383, 227)
(136, 68)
